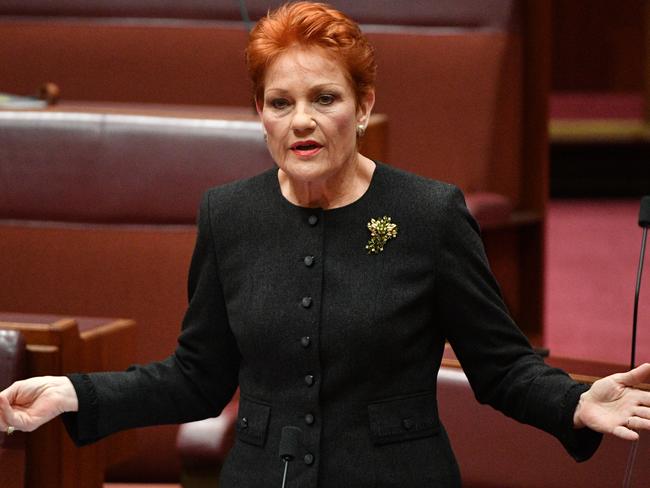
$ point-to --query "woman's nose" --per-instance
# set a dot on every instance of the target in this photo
(303, 118)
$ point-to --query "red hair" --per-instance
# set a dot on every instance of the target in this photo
(309, 24)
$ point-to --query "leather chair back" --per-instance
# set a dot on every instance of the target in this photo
(120, 167)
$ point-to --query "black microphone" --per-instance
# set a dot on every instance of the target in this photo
(290, 441)
(644, 212)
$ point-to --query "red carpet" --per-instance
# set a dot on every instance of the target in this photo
(592, 253)
(599, 106)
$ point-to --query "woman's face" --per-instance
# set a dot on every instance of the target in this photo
(310, 115)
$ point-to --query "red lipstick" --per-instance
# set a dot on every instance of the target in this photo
(306, 148)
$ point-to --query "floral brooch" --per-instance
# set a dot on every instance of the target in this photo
(381, 230)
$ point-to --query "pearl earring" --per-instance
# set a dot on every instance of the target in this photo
(361, 130)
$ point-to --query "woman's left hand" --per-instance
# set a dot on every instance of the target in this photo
(613, 406)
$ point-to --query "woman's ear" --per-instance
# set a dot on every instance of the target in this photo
(365, 107)
(258, 108)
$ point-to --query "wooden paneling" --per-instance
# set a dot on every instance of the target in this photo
(598, 45)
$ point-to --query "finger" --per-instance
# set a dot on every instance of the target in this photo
(637, 424)
(3, 421)
(7, 416)
(10, 392)
(641, 411)
(635, 376)
(624, 433)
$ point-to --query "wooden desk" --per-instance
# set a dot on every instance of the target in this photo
(12, 460)
(57, 345)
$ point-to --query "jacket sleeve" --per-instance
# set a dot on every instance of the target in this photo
(195, 382)
(500, 364)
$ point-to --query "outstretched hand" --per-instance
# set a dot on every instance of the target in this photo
(28, 404)
(613, 406)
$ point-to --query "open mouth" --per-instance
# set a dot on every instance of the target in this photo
(306, 148)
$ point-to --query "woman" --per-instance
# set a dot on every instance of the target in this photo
(325, 289)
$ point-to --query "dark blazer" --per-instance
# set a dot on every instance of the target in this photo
(287, 303)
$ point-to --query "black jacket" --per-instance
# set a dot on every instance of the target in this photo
(287, 303)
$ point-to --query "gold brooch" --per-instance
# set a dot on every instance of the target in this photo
(380, 231)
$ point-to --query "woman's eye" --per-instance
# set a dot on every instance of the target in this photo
(325, 99)
(279, 103)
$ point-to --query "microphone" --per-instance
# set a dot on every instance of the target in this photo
(644, 222)
(290, 441)
(644, 212)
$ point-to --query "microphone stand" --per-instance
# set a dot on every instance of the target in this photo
(284, 476)
(637, 289)
(643, 222)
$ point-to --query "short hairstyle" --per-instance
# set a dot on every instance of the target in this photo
(309, 24)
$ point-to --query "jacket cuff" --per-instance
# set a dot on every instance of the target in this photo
(82, 425)
(581, 444)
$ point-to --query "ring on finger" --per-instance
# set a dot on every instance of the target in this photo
(10, 429)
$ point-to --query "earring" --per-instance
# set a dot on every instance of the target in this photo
(266, 137)
(361, 130)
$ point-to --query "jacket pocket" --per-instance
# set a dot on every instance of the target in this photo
(402, 418)
(252, 421)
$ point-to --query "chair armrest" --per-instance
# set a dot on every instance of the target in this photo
(205, 444)
(489, 209)
(12, 448)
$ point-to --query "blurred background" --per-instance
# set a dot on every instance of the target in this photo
(116, 115)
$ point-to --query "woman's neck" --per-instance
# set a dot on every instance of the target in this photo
(340, 189)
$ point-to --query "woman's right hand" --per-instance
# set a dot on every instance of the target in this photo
(28, 404)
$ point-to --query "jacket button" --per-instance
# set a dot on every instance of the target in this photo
(243, 423)
(309, 261)
(309, 379)
(305, 341)
(309, 419)
(313, 220)
(306, 302)
(408, 423)
(309, 459)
